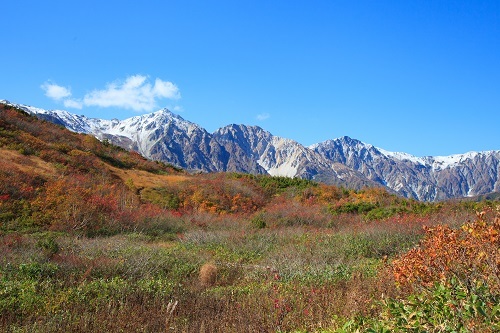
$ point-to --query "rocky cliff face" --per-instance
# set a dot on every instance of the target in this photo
(165, 136)
(427, 178)
(250, 145)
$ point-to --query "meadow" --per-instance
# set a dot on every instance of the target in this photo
(97, 239)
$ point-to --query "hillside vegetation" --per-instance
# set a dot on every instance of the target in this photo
(94, 238)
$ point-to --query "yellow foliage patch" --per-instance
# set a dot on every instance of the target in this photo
(29, 164)
(144, 179)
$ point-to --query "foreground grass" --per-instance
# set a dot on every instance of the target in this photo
(296, 270)
(271, 279)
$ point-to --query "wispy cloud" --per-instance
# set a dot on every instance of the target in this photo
(73, 103)
(136, 92)
(55, 91)
(263, 116)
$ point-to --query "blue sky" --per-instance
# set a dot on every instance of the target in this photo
(422, 77)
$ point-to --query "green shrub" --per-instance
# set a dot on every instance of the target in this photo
(424, 208)
(19, 297)
(382, 213)
(35, 270)
(165, 198)
(449, 307)
(163, 227)
(277, 184)
(48, 244)
(361, 207)
(258, 221)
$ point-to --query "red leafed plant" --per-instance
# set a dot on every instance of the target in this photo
(470, 254)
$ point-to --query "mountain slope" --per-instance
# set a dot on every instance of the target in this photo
(168, 137)
(278, 156)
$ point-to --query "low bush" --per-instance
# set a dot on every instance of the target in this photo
(446, 307)
(258, 221)
(381, 213)
(361, 207)
(449, 283)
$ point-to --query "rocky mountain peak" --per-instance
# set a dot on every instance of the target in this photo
(165, 136)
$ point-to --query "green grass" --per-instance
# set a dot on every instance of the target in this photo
(269, 279)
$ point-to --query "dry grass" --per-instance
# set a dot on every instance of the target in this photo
(144, 179)
(29, 164)
(208, 275)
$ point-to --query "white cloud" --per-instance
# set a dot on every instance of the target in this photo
(73, 103)
(134, 93)
(263, 116)
(55, 91)
(166, 89)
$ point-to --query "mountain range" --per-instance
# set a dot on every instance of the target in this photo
(344, 161)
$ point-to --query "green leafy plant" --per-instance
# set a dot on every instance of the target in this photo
(449, 307)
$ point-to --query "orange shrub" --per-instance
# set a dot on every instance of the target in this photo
(469, 254)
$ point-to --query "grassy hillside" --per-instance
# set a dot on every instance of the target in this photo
(94, 238)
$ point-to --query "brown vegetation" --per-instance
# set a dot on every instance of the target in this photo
(208, 275)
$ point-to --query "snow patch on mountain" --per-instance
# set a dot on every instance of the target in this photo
(443, 162)
(435, 162)
(403, 156)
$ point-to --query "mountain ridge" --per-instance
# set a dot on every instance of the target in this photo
(166, 136)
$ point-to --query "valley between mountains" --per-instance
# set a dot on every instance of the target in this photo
(347, 162)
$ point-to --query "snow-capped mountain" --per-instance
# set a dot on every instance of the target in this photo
(424, 178)
(161, 135)
(282, 157)
(165, 136)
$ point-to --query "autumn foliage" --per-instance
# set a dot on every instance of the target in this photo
(469, 254)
